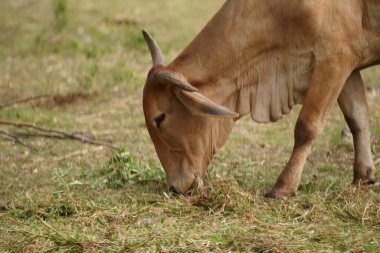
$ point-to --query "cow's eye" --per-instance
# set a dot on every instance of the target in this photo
(160, 119)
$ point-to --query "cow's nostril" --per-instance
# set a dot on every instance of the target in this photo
(173, 190)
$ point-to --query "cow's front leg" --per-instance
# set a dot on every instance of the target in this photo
(328, 79)
(353, 103)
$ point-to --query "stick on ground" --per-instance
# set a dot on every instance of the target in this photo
(23, 100)
(14, 138)
(49, 133)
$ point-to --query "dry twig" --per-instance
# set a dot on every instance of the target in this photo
(49, 133)
(23, 100)
(58, 99)
(14, 138)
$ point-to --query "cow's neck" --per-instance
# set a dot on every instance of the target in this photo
(244, 71)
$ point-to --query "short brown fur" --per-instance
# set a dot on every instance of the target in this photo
(261, 58)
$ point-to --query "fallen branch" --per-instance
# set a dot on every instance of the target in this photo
(23, 100)
(58, 99)
(14, 138)
(30, 134)
(50, 133)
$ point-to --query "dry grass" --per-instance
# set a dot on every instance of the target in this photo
(70, 197)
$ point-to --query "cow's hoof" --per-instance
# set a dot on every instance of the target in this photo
(372, 181)
(279, 194)
(364, 175)
(360, 182)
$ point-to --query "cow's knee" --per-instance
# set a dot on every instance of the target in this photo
(304, 133)
(356, 126)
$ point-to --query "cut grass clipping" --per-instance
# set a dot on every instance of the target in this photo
(124, 170)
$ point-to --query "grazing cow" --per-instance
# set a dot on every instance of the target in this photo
(261, 58)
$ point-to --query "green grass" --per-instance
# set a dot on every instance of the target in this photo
(66, 196)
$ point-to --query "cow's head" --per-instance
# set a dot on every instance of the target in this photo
(186, 127)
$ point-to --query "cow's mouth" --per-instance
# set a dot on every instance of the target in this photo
(195, 184)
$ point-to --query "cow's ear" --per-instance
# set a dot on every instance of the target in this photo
(199, 104)
(174, 80)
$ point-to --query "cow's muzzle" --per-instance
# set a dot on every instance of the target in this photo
(186, 185)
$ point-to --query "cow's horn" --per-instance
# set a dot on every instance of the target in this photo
(155, 51)
(199, 104)
(173, 79)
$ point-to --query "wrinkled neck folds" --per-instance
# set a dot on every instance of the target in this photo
(247, 67)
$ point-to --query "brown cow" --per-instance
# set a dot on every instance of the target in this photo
(261, 58)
